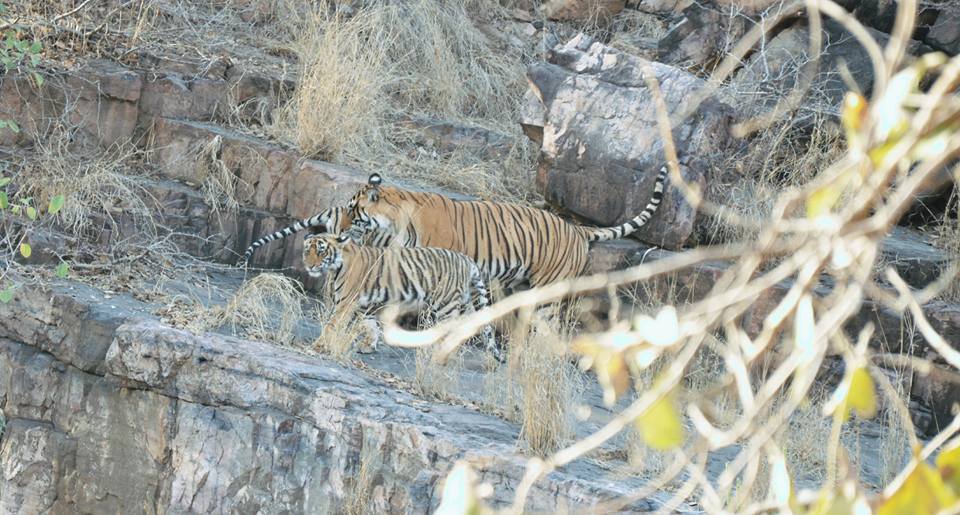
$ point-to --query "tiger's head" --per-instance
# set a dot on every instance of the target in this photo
(373, 208)
(323, 253)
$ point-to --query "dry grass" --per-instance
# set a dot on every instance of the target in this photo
(265, 308)
(357, 489)
(747, 183)
(97, 184)
(543, 379)
(222, 190)
(947, 238)
(363, 76)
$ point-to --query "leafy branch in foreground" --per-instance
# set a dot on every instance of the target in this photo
(897, 143)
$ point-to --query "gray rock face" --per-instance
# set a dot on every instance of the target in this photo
(601, 147)
(158, 420)
(771, 73)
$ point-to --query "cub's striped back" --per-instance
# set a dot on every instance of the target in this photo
(441, 281)
(510, 243)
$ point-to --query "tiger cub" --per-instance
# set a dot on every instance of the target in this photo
(366, 278)
(510, 243)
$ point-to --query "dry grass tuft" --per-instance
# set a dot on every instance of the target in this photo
(221, 188)
(364, 77)
(947, 238)
(748, 182)
(540, 370)
(265, 308)
(433, 379)
(96, 184)
(359, 487)
(339, 339)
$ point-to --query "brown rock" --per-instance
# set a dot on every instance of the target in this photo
(317, 185)
(700, 37)
(772, 73)
(34, 109)
(107, 106)
(940, 391)
(601, 147)
(173, 97)
(582, 10)
(104, 78)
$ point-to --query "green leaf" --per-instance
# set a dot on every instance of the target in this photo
(63, 269)
(31, 213)
(36, 47)
(13, 126)
(4, 181)
(6, 295)
(15, 208)
(3, 124)
(25, 250)
(56, 203)
(3, 200)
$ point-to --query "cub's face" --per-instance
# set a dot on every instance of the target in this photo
(321, 253)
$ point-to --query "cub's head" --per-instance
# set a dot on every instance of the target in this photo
(322, 253)
(373, 207)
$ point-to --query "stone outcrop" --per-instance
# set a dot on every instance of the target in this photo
(590, 109)
(772, 73)
(109, 411)
(582, 10)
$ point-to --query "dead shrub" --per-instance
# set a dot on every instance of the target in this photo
(364, 76)
(265, 308)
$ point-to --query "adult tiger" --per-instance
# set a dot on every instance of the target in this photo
(333, 220)
(439, 280)
(510, 243)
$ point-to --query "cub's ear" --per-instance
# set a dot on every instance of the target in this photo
(374, 179)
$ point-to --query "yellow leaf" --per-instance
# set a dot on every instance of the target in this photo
(948, 462)
(822, 200)
(852, 114)
(613, 375)
(839, 503)
(25, 250)
(660, 426)
(922, 492)
(862, 396)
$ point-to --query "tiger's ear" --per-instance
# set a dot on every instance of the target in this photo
(374, 192)
(343, 238)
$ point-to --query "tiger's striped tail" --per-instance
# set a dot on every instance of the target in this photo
(327, 218)
(632, 226)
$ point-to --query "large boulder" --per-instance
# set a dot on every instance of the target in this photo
(595, 118)
(700, 37)
(944, 33)
(773, 71)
